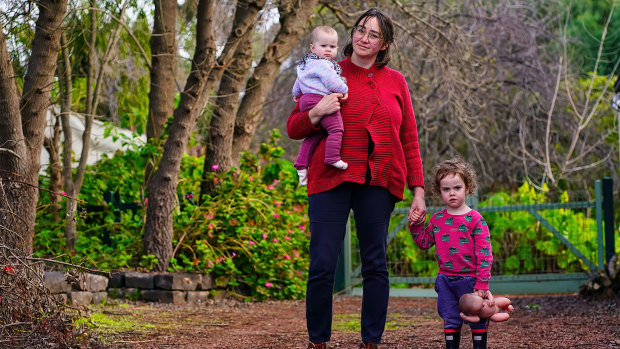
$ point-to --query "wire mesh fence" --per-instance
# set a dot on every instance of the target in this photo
(529, 235)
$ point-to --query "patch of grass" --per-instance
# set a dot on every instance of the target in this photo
(352, 323)
(104, 323)
(346, 322)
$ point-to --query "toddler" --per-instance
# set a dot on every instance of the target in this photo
(462, 249)
(319, 75)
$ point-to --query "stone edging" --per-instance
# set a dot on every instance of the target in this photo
(177, 288)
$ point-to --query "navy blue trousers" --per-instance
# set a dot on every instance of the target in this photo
(449, 291)
(329, 211)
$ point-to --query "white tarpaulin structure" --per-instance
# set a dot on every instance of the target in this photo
(99, 145)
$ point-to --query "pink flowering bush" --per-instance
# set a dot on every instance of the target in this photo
(251, 233)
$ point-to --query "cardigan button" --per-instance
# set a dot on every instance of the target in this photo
(373, 85)
(370, 75)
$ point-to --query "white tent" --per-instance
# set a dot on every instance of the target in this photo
(99, 145)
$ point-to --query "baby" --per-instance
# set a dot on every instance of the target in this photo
(318, 75)
(478, 308)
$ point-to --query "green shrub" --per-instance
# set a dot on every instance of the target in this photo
(251, 234)
(523, 245)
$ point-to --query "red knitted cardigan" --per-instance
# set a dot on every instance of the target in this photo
(379, 106)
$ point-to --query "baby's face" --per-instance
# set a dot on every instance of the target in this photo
(325, 45)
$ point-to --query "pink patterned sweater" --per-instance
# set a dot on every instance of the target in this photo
(462, 244)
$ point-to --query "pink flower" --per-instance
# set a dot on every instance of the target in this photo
(288, 212)
(251, 242)
(275, 240)
(278, 203)
(290, 231)
(268, 284)
(63, 194)
(301, 227)
(251, 178)
(215, 167)
(264, 235)
(287, 238)
(287, 256)
(269, 186)
(234, 254)
(276, 215)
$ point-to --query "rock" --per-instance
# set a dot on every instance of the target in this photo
(80, 297)
(139, 280)
(197, 296)
(185, 282)
(163, 296)
(116, 280)
(55, 282)
(99, 297)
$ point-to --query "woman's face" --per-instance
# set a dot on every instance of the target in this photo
(367, 38)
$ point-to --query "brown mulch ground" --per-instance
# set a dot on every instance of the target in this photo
(559, 321)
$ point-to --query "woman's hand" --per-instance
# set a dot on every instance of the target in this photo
(329, 104)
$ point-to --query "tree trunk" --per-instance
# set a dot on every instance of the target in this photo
(293, 17)
(162, 188)
(66, 83)
(52, 146)
(163, 69)
(245, 17)
(221, 130)
(22, 133)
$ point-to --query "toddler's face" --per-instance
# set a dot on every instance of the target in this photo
(453, 191)
(325, 45)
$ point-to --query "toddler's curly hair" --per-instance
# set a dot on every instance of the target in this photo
(455, 166)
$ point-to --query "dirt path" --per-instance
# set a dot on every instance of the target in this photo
(565, 321)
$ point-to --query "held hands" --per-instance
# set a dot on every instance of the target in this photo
(417, 212)
(329, 104)
(415, 218)
(344, 97)
(296, 99)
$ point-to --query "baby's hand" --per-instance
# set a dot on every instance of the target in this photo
(344, 97)
(296, 98)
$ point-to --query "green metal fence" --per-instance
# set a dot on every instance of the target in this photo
(550, 280)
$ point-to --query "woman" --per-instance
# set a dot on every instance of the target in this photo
(380, 144)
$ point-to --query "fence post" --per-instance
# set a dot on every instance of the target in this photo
(343, 272)
(599, 222)
(114, 197)
(608, 211)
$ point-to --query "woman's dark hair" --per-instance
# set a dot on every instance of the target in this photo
(387, 35)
